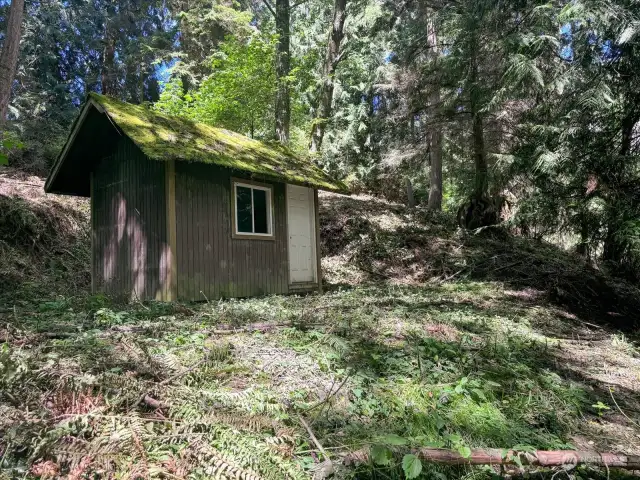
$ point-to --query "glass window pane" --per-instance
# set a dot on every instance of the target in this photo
(243, 210)
(260, 213)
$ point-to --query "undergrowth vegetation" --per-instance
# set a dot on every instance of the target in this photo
(366, 239)
(91, 388)
(385, 361)
(44, 240)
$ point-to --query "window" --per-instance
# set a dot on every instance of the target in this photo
(253, 210)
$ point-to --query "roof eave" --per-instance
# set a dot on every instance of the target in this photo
(53, 174)
(343, 190)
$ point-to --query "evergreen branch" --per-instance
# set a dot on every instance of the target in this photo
(270, 7)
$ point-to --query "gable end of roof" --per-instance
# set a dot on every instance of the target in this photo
(162, 137)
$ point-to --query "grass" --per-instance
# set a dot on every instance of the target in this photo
(422, 339)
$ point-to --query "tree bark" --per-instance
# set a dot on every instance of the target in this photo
(411, 202)
(628, 124)
(283, 66)
(331, 61)
(435, 147)
(479, 153)
(480, 158)
(613, 251)
(479, 211)
(142, 77)
(494, 456)
(583, 247)
(108, 79)
(9, 56)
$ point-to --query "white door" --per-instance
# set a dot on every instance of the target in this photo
(302, 241)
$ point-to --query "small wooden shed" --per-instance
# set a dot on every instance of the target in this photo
(182, 210)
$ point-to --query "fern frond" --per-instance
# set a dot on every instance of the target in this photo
(253, 423)
(219, 466)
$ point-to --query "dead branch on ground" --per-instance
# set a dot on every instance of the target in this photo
(493, 456)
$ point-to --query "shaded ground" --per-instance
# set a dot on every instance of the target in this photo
(44, 239)
(424, 334)
(368, 239)
(458, 364)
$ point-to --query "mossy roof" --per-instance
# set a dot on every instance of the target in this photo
(163, 137)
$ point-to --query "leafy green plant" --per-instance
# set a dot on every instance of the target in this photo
(239, 92)
(412, 466)
(601, 408)
(11, 366)
(381, 454)
(457, 443)
(107, 317)
(9, 142)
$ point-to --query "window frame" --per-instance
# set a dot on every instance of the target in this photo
(240, 182)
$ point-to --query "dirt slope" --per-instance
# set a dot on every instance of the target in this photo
(44, 239)
(367, 239)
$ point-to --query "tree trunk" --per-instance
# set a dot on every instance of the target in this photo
(613, 250)
(582, 248)
(186, 45)
(628, 123)
(411, 202)
(435, 172)
(328, 72)
(480, 158)
(141, 84)
(479, 211)
(435, 147)
(9, 56)
(108, 62)
(479, 152)
(283, 65)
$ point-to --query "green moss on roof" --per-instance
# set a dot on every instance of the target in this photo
(162, 137)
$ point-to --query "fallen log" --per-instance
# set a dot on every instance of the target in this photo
(152, 402)
(495, 456)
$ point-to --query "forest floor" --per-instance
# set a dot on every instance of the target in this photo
(425, 336)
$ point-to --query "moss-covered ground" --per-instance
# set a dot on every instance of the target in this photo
(456, 354)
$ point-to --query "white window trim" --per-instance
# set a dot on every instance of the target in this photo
(269, 191)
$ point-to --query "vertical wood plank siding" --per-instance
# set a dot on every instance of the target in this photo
(316, 210)
(211, 264)
(128, 217)
(171, 265)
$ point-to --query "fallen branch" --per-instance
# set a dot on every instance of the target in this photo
(328, 397)
(262, 328)
(494, 456)
(620, 410)
(258, 327)
(58, 335)
(372, 272)
(313, 437)
(146, 399)
(325, 469)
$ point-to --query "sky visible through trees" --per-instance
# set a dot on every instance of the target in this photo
(523, 113)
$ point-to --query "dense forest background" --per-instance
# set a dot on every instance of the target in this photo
(481, 286)
(523, 112)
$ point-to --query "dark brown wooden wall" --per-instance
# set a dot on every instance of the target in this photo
(211, 264)
(130, 251)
